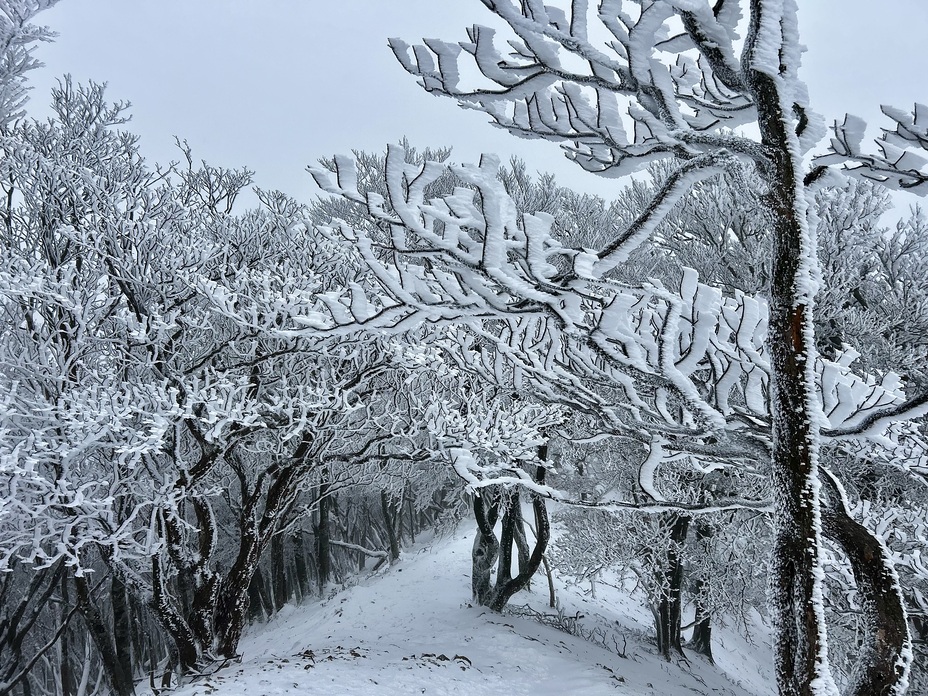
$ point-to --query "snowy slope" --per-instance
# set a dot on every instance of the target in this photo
(410, 630)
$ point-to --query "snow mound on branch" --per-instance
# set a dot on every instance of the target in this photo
(411, 630)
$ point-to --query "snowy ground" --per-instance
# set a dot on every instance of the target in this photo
(411, 630)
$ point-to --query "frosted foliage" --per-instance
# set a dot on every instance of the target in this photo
(83, 408)
(18, 37)
(684, 364)
(590, 103)
(137, 386)
(490, 444)
(900, 160)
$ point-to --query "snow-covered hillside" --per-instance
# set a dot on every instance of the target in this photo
(412, 630)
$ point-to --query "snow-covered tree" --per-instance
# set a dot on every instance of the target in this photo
(682, 76)
(18, 36)
(88, 303)
(153, 434)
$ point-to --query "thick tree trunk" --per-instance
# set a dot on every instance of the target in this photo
(388, 520)
(232, 610)
(257, 610)
(918, 674)
(203, 609)
(204, 579)
(122, 624)
(800, 653)
(701, 642)
(279, 572)
(506, 587)
(486, 545)
(411, 512)
(323, 533)
(67, 678)
(234, 595)
(299, 562)
(185, 641)
(119, 680)
(668, 612)
(886, 654)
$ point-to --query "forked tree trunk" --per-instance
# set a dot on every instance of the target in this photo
(506, 586)
(488, 549)
(486, 545)
(506, 589)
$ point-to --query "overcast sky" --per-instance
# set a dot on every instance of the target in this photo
(277, 84)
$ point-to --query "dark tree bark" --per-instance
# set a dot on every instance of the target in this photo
(234, 596)
(360, 537)
(388, 519)
(17, 617)
(118, 679)
(257, 527)
(411, 511)
(506, 589)
(299, 561)
(189, 650)
(206, 578)
(800, 630)
(67, 679)
(122, 624)
(323, 533)
(279, 572)
(880, 597)
(257, 609)
(486, 546)
(701, 641)
(523, 553)
(668, 612)
(510, 501)
(487, 549)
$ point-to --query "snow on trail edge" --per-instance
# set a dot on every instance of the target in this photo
(411, 630)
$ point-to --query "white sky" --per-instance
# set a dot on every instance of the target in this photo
(276, 84)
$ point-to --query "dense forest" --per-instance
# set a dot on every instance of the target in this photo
(713, 383)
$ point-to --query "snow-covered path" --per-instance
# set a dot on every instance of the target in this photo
(411, 630)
